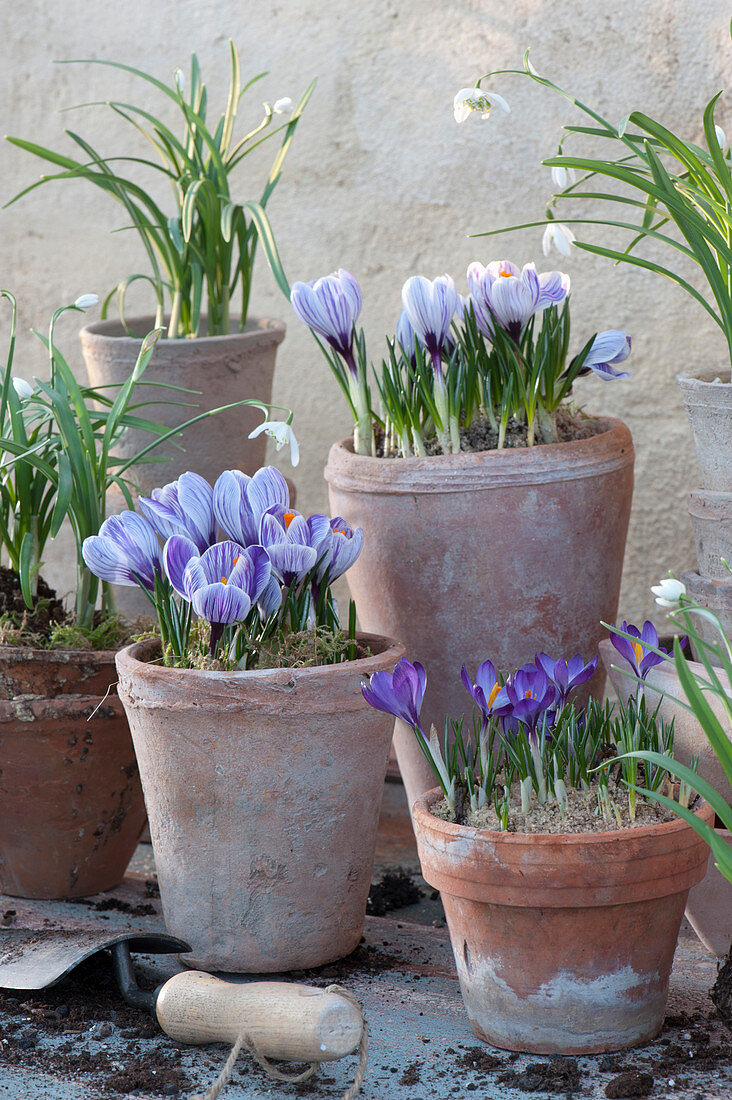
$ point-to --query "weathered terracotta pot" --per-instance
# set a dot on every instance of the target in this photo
(223, 369)
(496, 554)
(263, 792)
(563, 943)
(71, 806)
(707, 395)
(714, 594)
(711, 520)
(709, 908)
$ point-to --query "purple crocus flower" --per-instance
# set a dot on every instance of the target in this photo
(566, 675)
(531, 694)
(504, 295)
(430, 307)
(294, 544)
(222, 584)
(126, 551)
(636, 652)
(330, 307)
(344, 547)
(406, 335)
(486, 691)
(399, 692)
(240, 501)
(607, 349)
(183, 507)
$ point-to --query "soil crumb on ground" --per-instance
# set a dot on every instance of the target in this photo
(395, 890)
(629, 1084)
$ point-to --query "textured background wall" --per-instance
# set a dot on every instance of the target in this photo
(382, 181)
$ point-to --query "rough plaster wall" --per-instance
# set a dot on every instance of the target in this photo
(382, 181)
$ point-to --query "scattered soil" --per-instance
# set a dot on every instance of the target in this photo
(581, 814)
(411, 1075)
(480, 436)
(83, 1011)
(721, 991)
(395, 890)
(630, 1084)
(560, 1076)
(106, 905)
(478, 1058)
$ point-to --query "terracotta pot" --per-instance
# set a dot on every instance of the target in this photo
(496, 554)
(263, 792)
(710, 903)
(711, 519)
(707, 395)
(222, 368)
(716, 596)
(563, 943)
(71, 806)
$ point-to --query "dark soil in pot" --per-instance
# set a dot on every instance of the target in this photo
(48, 610)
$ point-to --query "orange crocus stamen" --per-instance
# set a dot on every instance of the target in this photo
(638, 650)
(506, 275)
(224, 580)
(494, 691)
(288, 518)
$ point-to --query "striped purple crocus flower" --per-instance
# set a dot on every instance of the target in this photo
(429, 307)
(183, 507)
(126, 551)
(400, 692)
(330, 306)
(503, 294)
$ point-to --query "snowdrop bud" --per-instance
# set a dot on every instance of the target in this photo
(86, 301)
(562, 177)
(179, 80)
(22, 388)
(721, 136)
(559, 236)
(282, 106)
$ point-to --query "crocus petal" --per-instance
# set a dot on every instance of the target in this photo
(107, 561)
(553, 288)
(221, 603)
(330, 307)
(177, 553)
(219, 560)
(608, 348)
(138, 546)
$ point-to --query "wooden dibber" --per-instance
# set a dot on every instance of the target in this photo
(287, 1022)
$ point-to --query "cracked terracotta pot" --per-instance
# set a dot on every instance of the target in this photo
(494, 554)
(223, 369)
(263, 791)
(71, 806)
(563, 943)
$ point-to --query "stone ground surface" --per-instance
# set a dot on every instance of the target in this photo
(421, 1047)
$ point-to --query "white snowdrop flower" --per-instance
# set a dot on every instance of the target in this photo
(559, 236)
(86, 301)
(282, 106)
(667, 592)
(282, 433)
(720, 136)
(563, 177)
(469, 100)
(21, 387)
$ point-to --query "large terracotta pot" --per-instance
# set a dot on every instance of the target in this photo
(714, 594)
(496, 554)
(709, 908)
(263, 792)
(711, 519)
(707, 395)
(563, 943)
(223, 369)
(71, 806)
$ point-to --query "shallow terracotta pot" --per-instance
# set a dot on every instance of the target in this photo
(563, 944)
(709, 908)
(71, 806)
(711, 520)
(223, 369)
(707, 395)
(497, 554)
(263, 792)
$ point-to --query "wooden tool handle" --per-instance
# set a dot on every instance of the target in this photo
(295, 1023)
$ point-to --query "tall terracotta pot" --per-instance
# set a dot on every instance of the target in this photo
(707, 395)
(223, 369)
(71, 806)
(563, 943)
(263, 792)
(709, 908)
(496, 554)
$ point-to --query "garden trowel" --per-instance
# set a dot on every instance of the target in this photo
(286, 1021)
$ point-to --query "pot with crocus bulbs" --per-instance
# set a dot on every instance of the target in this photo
(476, 484)
(262, 765)
(563, 882)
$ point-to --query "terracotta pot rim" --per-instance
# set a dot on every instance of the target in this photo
(703, 378)
(102, 656)
(260, 330)
(451, 830)
(608, 450)
(68, 706)
(128, 660)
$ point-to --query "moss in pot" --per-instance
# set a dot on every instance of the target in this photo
(563, 886)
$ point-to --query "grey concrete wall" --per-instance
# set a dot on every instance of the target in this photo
(382, 181)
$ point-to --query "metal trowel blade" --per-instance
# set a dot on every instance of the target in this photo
(35, 960)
